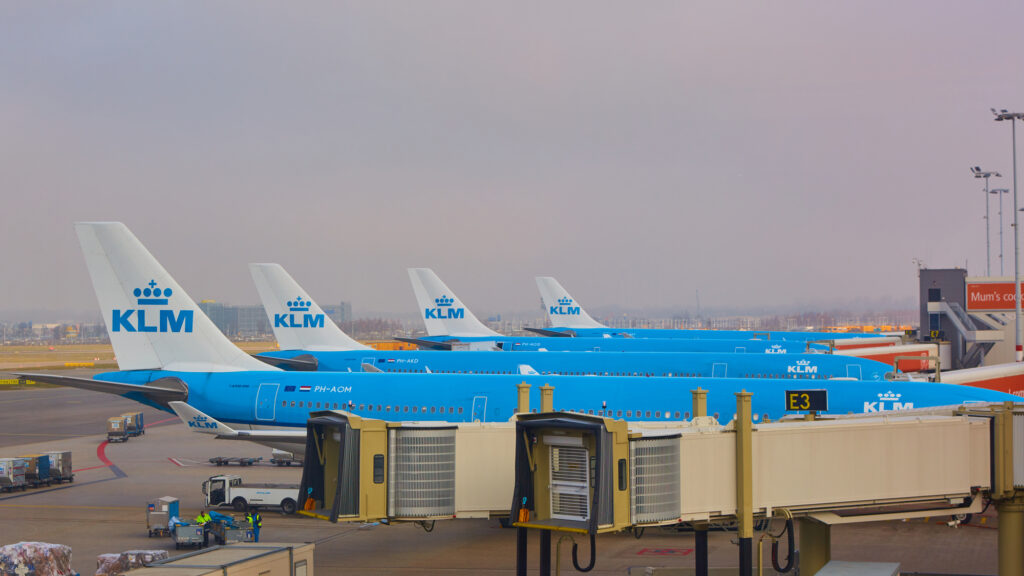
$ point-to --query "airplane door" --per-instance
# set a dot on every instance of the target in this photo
(479, 408)
(266, 401)
(740, 349)
(719, 370)
(853, 371)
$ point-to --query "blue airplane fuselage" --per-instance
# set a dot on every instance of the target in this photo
(558, 343)
(277, 398)
(671, 333)
(668, 364)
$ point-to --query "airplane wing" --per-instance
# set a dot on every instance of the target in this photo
(527, 370)
(370, 368)
(197, 421)
(162, 391)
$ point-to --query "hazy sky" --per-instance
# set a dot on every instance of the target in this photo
(766, 154)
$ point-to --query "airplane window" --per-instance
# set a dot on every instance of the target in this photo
(387, 408)
(362, 406)
(657, 414)
(378, 407)
(405, 408)
(648, 414)
(284, 403)
(293, 403)
(716, 415)
(677, 415)
(424, 409)
(451, 410)
(600, 412)
(317, 404)
(432, 408)
(460, 409)
(335, 405)
(534, 410)
(415, 409)
(591, 412)
(686, 415)
(618, 414)
(300, 403)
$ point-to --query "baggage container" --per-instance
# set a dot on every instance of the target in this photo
(37, 471)
(188, 535)
(116, 429)
(158, 515)
(12, 474)
(133, 423)
(60, 466)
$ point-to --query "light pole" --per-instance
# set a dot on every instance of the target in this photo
(979, 173)
(1011, 116)
(999, 192)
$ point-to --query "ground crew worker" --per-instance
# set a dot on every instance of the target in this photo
(256, 521)
(203, 519)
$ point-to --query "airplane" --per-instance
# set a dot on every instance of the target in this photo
(569, 318)
(169, 351)
(309, 340)
(451, 325)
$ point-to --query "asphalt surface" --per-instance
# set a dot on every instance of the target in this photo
(104, 509)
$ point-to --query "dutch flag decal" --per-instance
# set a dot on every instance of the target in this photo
(304, 388)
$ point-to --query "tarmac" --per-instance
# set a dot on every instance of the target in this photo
(103, 511)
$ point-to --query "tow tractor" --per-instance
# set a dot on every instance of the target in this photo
(229, 490)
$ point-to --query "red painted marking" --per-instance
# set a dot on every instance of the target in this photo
(101, 453)
(176, 463)
(665, 552)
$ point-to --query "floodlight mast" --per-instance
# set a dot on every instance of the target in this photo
(1001, 116)
(999, 192)
(979, 173)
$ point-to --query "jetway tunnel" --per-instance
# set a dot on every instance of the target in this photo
(582, 475)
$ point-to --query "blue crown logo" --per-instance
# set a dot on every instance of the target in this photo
(299, 305)
(566, 301)
(152, 296)
(443, 301)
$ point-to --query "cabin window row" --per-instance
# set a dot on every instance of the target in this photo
(379, 407)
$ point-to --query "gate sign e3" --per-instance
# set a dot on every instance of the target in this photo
(812, 400)
(991, 296)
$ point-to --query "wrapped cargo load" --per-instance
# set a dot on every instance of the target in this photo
(116, 429)
(36, 559)
(60, 466)
(12, 474)
(116, 564)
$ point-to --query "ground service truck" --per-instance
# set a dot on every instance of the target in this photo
(228, 490)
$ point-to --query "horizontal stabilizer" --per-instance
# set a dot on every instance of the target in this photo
(162, 391)
(367, 367)
(197, 421)
(527, 370)
(301, 363)
(551, 333)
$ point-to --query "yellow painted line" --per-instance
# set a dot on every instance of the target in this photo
(69, 507)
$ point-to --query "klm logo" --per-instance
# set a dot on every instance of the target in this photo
(802, 367)
(888, 401)
(564, 308)
(444, 310)
(160, 320)
(293, 320)
(202, 422)
(775, 349)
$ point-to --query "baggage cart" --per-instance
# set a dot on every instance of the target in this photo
(60, 466)
(12, 474)
(158, 515)
(116, 431)
(37, 471)
(241, 461)
(188, 535)
(282, 458)
(133, 424)
(230, 533)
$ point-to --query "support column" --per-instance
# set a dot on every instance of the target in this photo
(521, 542)
(745, 481)
(700, 542)
(815, 545)
(700, 402)
(547, 398)
(523, 404)
(1011, 536)
(545, 553)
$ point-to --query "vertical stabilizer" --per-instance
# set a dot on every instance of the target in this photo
(298, 323)
(152, 322)
(442, 311)
(563, 311)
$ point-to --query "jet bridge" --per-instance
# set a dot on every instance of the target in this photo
(584, 475)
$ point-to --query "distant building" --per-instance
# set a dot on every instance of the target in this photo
(340, 313)
(252, 321)
(224, 316)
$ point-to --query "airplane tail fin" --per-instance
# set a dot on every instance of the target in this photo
(298, 323)
(562, 310)
(152, 322)
(443, 312)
